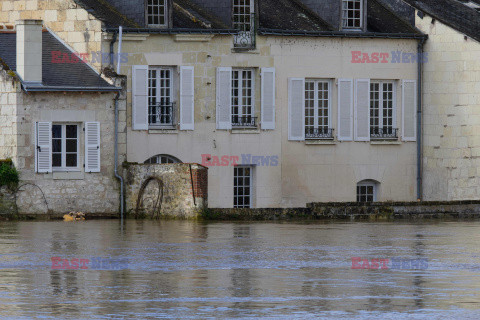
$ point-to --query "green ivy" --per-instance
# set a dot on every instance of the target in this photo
(8, 174)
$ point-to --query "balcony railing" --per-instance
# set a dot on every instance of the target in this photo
(162, 115)
(244, 122)
(383, 133)
(247, 30)
(318, 134)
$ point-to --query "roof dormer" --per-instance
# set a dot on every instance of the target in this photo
(354, 15)
(157, 13)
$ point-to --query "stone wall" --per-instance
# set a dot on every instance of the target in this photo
(451, 114)
(176, 190)
(9, 92)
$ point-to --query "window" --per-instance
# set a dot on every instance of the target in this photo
(156, 13)
(317, 109)
(367, 191)
(243, 85)
(161, 111)
(65, 146)
(382, 110)
(244, 21)
(352, 14)
(162, 159)
(242, 187)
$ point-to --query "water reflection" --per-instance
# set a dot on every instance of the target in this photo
(195, 270)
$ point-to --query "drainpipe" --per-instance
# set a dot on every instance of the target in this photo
(112, 44)
(420, 60)
(119, 177)
(119, 60)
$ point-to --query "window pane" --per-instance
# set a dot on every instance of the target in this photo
(56, 160)
(56, 131)
(71, 160)
(72, 145)
(56, 145)
(71, 131)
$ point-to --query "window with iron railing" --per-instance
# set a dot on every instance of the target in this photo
(244, 22)
(382, 110)
(161, 105)
(317, 109)
(243, 98)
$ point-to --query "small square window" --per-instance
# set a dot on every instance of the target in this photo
(65, 147)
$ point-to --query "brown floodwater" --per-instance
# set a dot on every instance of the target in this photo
(192, 270)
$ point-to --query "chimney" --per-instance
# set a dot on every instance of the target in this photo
(29, 50)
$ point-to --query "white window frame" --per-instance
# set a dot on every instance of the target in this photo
(250, 186)
(366, 184)
(148, 15)
(236, 8)
(241, 97)
(63, 167)
(316, 103)
(381, 105)
(362, 15)
(162, 159)
(158, 95)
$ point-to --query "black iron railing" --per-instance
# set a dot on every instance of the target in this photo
(247, 31)
(385, 133)
(244, 122)
(162, 115)
(318, 134)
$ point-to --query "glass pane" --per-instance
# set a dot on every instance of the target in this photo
(71, 160)
(71, 145)
(57, 160)
(56, 131)
(56, 145)
(71, 131)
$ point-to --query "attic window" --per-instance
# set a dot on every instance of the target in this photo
(156, 13)
(352, 14)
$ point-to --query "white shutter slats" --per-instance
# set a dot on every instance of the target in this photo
(92, 147)
(187, 98)
(224, 98)
(345, 110)
(43, 152)
(296, 109)
(140, 97)
(268, 98)
(409, 110)
(362, 110)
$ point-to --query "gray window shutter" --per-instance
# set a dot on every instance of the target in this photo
(224, 98)
(140, 97)
(43, 147)
(187, 98)
(268, 98)
(296, 109)
(345, 110)
(92, 147)
(409, 110)
(362, 110)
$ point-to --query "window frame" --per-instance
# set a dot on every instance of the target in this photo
(241, 97)
(362, 16)
(366, 184)
(381, 104)
(316, 108)
(236, 186)
(166, 14)
(170, 159)
(251, 8)
(63, 167)
(158, 96)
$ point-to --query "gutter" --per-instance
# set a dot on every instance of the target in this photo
(117, 175)
(340, 34)
(421, 45)
(69, 89)
(172, 31)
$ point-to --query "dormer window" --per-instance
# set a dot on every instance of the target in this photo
(156, 13)
(352, 14)
(244, 22)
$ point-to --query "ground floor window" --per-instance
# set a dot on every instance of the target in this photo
(160, 97)
(65, 146)
(242, 186)
(367, 191)
(162, 159)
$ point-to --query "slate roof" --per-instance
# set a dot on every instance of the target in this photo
(55, 76)
(104, 11)
(453, 13)
(187, 14)
(381, 19)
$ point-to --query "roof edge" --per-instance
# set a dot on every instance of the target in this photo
(340, 34)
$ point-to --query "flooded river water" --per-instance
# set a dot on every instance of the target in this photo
(190, 270)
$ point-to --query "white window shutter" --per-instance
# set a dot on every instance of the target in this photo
(140, 97)
(43, 147)
(296, 109)
(187, 98)
(409, 110)
(345, 110)
(92, 147)
(268, 98)
(224, 98)
(362, 110)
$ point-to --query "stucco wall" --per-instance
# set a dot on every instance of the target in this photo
(451, 114)
(306, 173)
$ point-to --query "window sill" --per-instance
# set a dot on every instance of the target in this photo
(245, 130)
(385, 142)
(68, 175)
(320, 142)
(246, 50)
(163, 131)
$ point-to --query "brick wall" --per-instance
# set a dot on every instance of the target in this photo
(200, 183)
